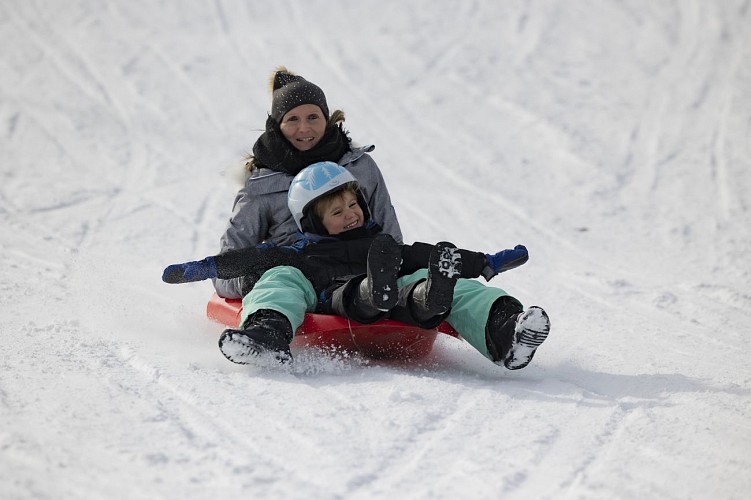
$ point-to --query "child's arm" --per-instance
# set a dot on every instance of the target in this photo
(504, 260)
(474, 264)
(186, 272)
(233, 264)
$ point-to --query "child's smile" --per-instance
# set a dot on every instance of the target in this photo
(342, 214)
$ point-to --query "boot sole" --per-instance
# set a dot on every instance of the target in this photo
(444, 268)
(384, 261)
(532, 328)
(241, 349)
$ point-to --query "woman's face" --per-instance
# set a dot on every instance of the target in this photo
(304, 126)
(342, 214)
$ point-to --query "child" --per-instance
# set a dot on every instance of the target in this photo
(353, 270)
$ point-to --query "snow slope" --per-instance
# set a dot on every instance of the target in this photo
(610, 137)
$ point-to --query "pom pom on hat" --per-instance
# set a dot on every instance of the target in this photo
(289, 90)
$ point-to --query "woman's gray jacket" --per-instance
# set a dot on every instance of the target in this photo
(260, 213)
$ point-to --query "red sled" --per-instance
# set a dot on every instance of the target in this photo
(385, 339)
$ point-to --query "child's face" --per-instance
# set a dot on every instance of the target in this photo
(342, 214)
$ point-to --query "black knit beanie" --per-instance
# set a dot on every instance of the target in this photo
(290, 90)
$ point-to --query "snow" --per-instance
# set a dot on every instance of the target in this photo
(611, 138)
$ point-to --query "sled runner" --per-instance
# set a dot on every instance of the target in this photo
(385, 339)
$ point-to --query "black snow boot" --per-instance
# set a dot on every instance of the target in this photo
(499, 330)
(512, 335)
(531, 329)
(433, 296)
(263, 340)
(378, 291)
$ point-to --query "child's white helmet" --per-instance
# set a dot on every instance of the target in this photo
(311, 183)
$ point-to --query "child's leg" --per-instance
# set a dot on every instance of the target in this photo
(408, 312)
(469, 310)
(367, 298)
(426, 303)
(283, 289)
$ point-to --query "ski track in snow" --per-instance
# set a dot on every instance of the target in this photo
(610, 138)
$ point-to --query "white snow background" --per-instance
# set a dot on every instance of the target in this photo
(613, 138)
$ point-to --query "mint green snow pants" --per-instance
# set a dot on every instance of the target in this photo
(286, 290)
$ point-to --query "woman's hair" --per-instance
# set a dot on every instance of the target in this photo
(336, 119)
(321, 204)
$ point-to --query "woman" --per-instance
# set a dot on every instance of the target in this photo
(299, 132)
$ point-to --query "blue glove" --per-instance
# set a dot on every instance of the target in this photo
(190, 271)
(504, 260)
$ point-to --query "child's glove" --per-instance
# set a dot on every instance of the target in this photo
(190, 271)
(504, 260)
